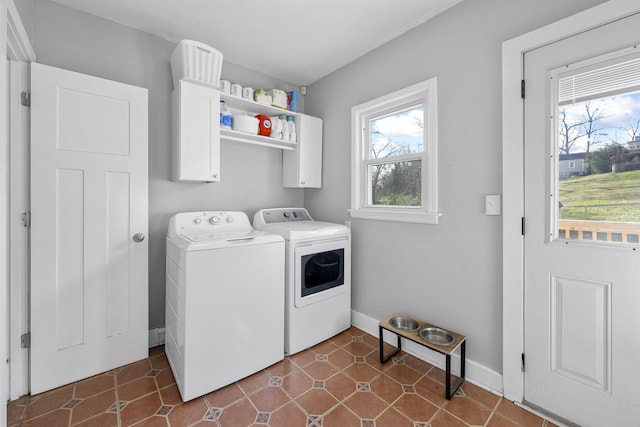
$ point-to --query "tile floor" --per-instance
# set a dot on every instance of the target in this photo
(339, 382)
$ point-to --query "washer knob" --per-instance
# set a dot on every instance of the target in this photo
(214, 220)
(197, 220)
(286, 214)
(230, 219)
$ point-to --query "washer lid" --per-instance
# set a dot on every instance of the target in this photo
(218, 240)
(303, 230)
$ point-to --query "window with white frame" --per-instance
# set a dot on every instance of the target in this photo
(394, 156)
(595, 105)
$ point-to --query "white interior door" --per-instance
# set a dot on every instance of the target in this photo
(582, 273)
(88, 200)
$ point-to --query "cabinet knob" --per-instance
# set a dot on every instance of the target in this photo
(302, 182)
(215, 175)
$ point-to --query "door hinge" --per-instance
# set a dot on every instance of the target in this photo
(26, 219)
(522, 90)
(25, 340)
(522, 226)
(25, 98)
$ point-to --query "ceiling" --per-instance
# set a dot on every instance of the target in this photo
(298, 41)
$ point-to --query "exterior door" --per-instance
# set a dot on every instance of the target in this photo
(582, 257)
(88, 204)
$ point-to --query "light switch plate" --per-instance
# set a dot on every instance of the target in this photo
(492, 204)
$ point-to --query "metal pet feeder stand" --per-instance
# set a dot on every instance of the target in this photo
(431, 336)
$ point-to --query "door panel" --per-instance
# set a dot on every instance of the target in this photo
(89, 287)
(118, 254)
(580, 330)
(93, 124)
(581, 291)
(69, 292)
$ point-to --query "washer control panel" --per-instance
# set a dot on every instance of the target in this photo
(190, 223)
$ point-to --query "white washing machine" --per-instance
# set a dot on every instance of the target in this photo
(224, 300)
(318, 275)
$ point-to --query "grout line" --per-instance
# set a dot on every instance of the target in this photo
(117, 393)
(209, 408)
(73, 395)
(24, 411)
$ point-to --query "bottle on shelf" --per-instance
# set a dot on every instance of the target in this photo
(285, 128)
(292, 128)
(276, 127)
(226, 119)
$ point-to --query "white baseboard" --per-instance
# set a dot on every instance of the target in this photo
(474, 372)
(156, 337)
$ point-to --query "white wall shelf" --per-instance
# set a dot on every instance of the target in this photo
(234, 135)
(237, 103)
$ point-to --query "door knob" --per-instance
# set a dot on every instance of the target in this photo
(138, 237)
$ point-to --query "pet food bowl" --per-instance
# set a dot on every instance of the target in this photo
(436, 336)
(404, 323)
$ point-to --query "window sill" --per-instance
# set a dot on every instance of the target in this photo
(417, 216)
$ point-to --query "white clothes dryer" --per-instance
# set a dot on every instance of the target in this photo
(318, 275)
(224, 300)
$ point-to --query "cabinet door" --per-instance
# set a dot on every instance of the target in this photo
(196, 122)
(302, 168)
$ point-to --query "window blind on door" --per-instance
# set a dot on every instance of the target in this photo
(619, 76)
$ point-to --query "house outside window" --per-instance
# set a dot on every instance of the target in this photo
(394, 156)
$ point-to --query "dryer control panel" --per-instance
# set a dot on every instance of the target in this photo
(273, 216)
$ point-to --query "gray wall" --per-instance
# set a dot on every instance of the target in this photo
(251, 175)
(24, 10)
(448, 274)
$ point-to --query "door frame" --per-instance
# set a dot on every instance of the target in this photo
(513, 175)
(16, 46)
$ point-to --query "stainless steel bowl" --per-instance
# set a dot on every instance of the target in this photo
(404, 323)
(436, 336)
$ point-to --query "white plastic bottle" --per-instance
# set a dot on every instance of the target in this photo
(276, 127)
(292, 129)
(226, 119)
(285, 128)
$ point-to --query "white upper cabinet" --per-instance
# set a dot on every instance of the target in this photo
(302, 168)
(196, 133)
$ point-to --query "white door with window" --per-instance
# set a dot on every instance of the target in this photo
(89, 223)
(582, 254)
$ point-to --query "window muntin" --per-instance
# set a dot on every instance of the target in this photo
(394, 153)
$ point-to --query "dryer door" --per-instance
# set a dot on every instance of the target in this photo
(320, 271)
